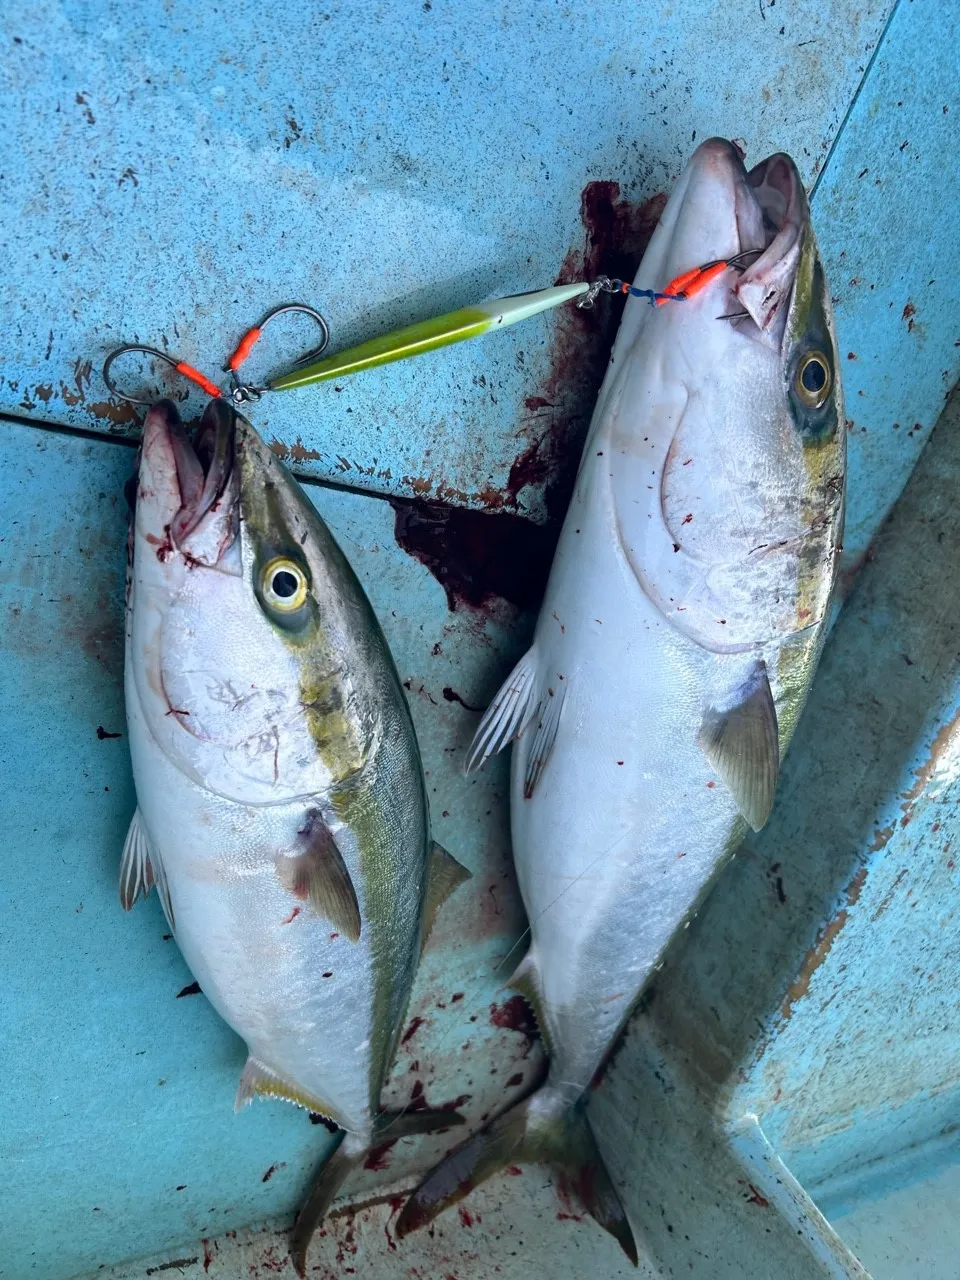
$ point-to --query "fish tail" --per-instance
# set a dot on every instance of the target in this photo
(350, 1150)
(544, 1128)
(341, 1161)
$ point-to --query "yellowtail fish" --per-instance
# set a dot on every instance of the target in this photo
(282, 812)
(681, 629)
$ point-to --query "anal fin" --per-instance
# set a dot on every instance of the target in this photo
(526, 982)
(315, 872)
(742, 743)
(444, 875)
(508, 714)
(261, 1081)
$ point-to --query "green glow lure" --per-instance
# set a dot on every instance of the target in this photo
(457, 326)
(429, 335)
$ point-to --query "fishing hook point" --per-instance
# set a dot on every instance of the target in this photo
(187, 371)
(243, 393)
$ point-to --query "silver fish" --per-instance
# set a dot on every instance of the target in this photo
(282, 811)
(678, 639)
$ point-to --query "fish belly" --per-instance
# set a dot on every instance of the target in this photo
(627, 824)
(278, 973)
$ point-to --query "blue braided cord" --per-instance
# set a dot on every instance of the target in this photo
(656, 297)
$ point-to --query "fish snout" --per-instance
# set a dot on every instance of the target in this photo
(183, 483)
(709, 212)
(158, 494)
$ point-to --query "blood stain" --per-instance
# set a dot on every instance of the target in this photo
(480, 556)
(411, 1031)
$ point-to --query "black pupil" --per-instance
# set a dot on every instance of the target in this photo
(284, 584)
(814, 376)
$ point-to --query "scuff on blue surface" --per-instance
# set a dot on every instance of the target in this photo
(193, 169)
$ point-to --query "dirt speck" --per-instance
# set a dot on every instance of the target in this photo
(451, 695)
(756, 1198)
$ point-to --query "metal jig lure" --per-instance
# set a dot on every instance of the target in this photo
(425, 335)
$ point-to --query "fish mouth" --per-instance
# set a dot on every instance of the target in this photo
(721, 210)
(187, 474)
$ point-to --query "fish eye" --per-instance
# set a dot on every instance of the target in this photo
(813, 379)
(284, 585)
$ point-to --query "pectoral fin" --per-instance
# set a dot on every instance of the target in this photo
(444, 874)
(141, 868)
(508, 714)
(742, 743)
(316, 873)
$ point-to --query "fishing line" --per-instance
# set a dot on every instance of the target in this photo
(481, 974)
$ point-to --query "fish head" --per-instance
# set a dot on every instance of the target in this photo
(720, 210)
(235, 613)
(732, 395)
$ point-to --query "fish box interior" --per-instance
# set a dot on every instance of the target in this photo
(785, 1101)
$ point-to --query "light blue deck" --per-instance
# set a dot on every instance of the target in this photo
(171, 172)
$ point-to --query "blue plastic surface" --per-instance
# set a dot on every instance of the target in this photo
(169, 173)
(383, 162)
